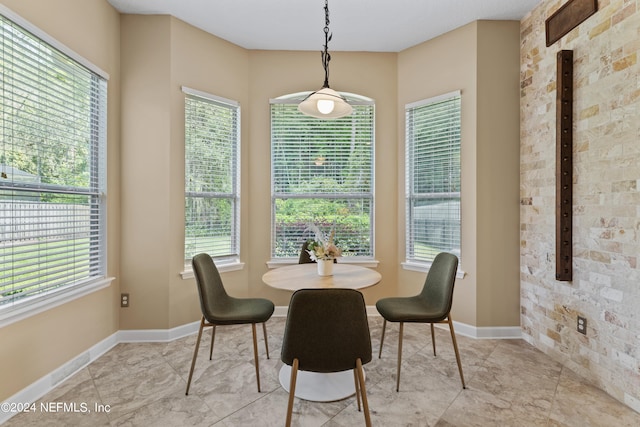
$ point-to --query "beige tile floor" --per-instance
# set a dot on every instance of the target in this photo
(509, 383)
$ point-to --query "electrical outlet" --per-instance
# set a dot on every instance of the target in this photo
(582, 325)
(124, 300)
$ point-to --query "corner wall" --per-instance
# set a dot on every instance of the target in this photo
(606, 202)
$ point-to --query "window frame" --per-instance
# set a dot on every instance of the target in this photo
(230, 261)
(411, 261)
(355, 100)
(49, 295)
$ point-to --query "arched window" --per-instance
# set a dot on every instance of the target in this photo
(322, 174)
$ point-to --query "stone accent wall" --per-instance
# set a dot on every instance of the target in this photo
(606, 201)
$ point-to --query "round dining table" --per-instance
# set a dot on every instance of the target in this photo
(301, 276)
(315, 386)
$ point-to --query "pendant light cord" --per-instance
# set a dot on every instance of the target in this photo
(326, 57)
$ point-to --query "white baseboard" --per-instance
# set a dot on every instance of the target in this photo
(157, 335)
(48, 382)
(486, 332)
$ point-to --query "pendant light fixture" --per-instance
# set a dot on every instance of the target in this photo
(325, 103)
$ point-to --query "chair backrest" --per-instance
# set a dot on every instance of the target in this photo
(305, 258)
(326, 330)
(210, 287)
(438, 286)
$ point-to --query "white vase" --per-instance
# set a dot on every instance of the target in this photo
(325, 267)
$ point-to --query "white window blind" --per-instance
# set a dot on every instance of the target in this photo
(433, 177)
(52, 169)
(212, 198)
(322, 174)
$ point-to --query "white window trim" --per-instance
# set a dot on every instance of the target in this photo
(433, 99)
(424, 267)
(205, 95)
(223, 267)
(354, 260)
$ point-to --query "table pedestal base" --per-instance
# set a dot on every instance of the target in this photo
(319, 387)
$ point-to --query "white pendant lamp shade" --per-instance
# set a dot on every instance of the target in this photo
(325, 104)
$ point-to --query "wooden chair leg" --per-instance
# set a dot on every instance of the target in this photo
(399, 355)
(384, 327)
(266, 343)
(363, 392)
(455, 347)
(255, 354)
(195, 355)
(292, 391)
(357, 387)
(433, 339)
(213, 338)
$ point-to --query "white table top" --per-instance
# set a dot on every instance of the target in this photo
(300, 276)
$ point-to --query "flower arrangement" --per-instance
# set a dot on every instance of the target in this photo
(323, 247)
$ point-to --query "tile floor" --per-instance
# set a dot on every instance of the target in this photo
(509, 383)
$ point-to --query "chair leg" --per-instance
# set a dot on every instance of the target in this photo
(399, 355)
(357, 387)
(433, 339)
(213, 338)
(195, 355)
(455, 347)
(292, 391)
(384, 327)
(363, 392)
(266, 343)
(255, 354)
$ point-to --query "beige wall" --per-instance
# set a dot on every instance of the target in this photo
(159, 54)
(145, 170)
(497, 157)
(606, 201)
(36, 346)
(481, 60)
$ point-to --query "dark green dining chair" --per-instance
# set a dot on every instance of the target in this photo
(219, 309)
(431, 305)
(327, 331)
(305, 258)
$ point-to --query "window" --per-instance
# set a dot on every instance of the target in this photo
(322, 174)
(433, 177)
(52, 169)
(212, 197)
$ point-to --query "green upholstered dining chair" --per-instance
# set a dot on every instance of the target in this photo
(431, 305)
(219, 309)
(327, 331)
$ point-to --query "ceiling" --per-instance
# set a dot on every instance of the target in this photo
(357, 25)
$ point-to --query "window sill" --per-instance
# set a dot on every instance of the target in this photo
(362, 262)
(223, 267)
(38, 304)
(424, 267)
